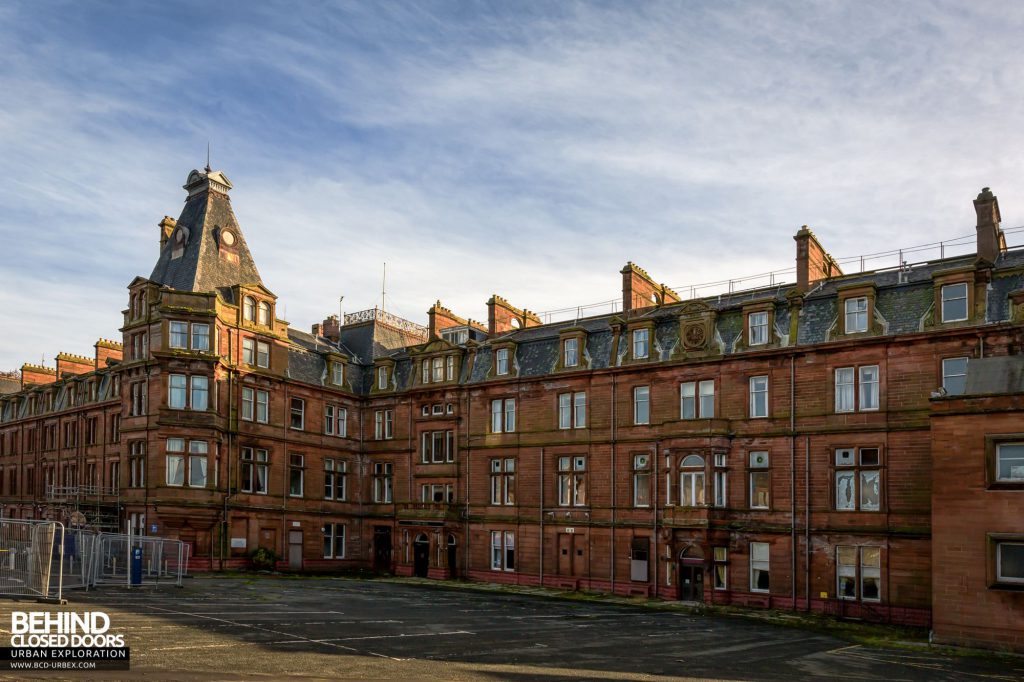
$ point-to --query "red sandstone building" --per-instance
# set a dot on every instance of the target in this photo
(840, 445)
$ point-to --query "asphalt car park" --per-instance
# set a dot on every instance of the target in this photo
(234, 628)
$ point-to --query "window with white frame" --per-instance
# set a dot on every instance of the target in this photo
(858, 479)
(383, 480)
(298, 414)
(758, 324)
(437, 493)
(437, 369)
(262, 354)
(503, 481)
(641, 343)
(383, 424)
(338, 373)
(697, 399)
(572, 410)
(572, 481)
(570, 352)
(437, 447)
(758, 397)
(721, 479)
(759, 567)
(249, 309)
(642, 405)
(449, 368)
(200, 336)
(503, 415)
(1010, 562)
(296, 475)
(334, 540)
(199, 392)
(856, 388)
(691, 481)
(178, 337)
(253, 471)
(858, 573)
(760, 481)
(856, 315)
(721, 568)
(503, 550)
(1010, 462)
(954, 375)
(263, 314)
(954, 302)
(382, 378)
(196, 462)
(177, 391)
(175, 461)
(249, 351)
(501, 361)
(642, 480)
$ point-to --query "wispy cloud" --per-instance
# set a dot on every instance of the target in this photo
(485, 148)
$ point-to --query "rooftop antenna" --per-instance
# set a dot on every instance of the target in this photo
(383, 282)
(208, 169)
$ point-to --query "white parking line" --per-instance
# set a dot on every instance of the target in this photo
(277, 632)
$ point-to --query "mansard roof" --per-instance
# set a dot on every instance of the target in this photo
(206, 250)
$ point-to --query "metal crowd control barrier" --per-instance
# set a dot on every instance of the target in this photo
(31, 558)
(164, 561)
(79, 560)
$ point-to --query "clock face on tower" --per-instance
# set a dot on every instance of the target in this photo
(227, 237)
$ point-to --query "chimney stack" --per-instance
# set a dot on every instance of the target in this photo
(108, 352)
(991, 240)
(813, 263)
(167, 226)
(332, 328)
(503, 317)
(639, 290)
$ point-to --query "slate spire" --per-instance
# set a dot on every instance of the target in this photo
(206, 250)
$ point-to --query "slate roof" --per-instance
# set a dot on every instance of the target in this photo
(202, 267)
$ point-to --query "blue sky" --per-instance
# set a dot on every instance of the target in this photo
(524, 149)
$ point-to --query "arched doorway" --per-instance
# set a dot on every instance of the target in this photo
(691, 574)
(421, 555)
(453, 564)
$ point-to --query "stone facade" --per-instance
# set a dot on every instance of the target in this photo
(777, 448)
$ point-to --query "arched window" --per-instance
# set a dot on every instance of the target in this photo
(249, 309)
(264, 314)
(691, 481)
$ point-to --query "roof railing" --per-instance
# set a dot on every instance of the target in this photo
(948, 248)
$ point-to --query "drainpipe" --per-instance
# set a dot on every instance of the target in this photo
(612, 480)
(654, 507)
(469, 460)
(792, 476)
(540, 510)
(807, 523)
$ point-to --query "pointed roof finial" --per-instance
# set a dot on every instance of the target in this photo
(208, 169)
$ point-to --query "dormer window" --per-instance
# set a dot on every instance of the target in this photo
(641, 343)
(437, 369)
(571, 352)
(501, 361)
(758, 325)
(856, 315)
(337, 373)
(382, 378)
(455, 336)
(249, 309)
(264, 314)
(449, 368)
(954, 302)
